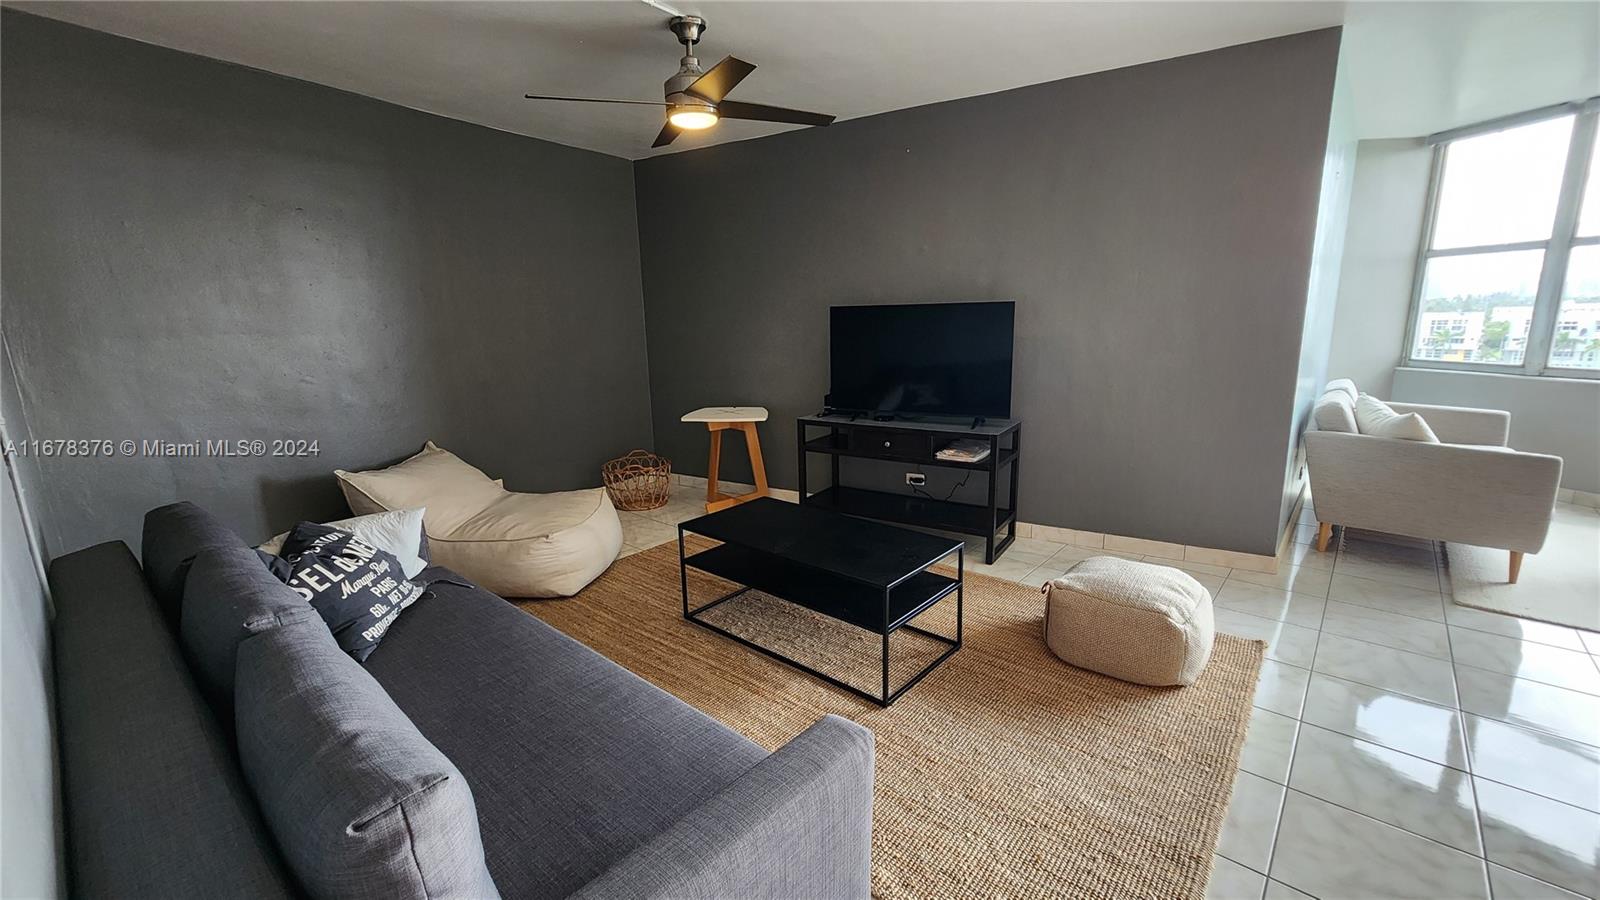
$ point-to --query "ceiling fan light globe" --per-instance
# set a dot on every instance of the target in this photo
(692, 119)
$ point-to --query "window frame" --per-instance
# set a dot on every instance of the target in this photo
(1557, 248)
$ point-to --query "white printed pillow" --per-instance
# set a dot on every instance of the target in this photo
(398, 532)
(1375, 417)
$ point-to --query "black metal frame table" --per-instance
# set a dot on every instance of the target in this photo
(873, 576)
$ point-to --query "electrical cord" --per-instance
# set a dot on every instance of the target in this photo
(959, 486)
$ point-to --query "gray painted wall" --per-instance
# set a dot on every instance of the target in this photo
(1154, 225)
(198, 250)
(1548, 415)
(30, 798)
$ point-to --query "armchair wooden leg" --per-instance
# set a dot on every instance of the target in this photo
(1324, 532)
(1516, 565)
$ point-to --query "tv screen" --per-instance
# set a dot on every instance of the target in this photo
(923, 359)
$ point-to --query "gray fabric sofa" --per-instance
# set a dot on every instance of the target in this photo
(1469, 488)
(588, 781)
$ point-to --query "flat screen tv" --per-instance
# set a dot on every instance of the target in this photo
(922, 359)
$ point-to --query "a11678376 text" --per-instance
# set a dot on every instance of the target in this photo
(158, 448)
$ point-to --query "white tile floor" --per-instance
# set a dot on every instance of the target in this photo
(1401, 746)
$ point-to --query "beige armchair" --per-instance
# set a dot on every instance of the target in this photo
(1469, 488)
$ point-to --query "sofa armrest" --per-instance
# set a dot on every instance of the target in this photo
(1462, 425)
(797, 825)
(1486, 496)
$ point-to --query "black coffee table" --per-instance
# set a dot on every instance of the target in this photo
(862, 573)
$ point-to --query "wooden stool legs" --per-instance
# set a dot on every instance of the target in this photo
(1324, 531)
(716, 500)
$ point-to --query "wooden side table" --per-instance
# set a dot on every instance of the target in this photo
(718, 419)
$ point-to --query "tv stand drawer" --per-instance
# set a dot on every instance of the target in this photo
(890, 442)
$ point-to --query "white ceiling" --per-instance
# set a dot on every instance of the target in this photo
(1417, 68)
(474, 61)
(1412, 67)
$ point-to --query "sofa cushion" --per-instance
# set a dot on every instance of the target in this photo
(452, 490)
(1376, 418)
(1335, 412)
(173, 535)
(358, 589)
(398, 532)
(154, 804)
(229, 596)
(1342, 386)
(586, 760)
(361, 803)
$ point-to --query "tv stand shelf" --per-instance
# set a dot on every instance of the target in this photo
(915, 442)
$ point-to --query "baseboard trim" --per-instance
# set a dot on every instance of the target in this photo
(1578, 498)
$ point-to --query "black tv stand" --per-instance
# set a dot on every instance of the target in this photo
(915, 442)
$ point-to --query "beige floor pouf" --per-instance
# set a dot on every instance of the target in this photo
(1135, 621)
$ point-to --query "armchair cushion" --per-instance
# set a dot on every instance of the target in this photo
(1334, 412)
(1376, 418)
(1343, 386)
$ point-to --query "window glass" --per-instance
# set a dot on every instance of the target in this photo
(1589, 212)
(1576, 344)
(1477, 307)
(1501, 187)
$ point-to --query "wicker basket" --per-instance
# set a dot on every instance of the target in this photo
(640, 480)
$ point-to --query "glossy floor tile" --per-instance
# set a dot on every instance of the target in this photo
(1420, 796)
(1385, 718)
(1541, 837)
(1526, 659)
(1531, 704)
(1387, 629)
(1513, 627)
(1281, 604)
(1386, 595)
(1508, 884)
(1269, 745)
(1231, 881)
(1534, 761)
(1281, 687)
(1252, 822)
(1328, 851)
(1292, 644)
(1424, 677)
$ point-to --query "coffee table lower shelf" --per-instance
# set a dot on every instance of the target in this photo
(881, 611)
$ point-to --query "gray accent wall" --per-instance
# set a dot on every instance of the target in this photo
(195, 250)
(1153, 224)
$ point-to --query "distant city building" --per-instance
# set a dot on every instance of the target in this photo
(1501, 335)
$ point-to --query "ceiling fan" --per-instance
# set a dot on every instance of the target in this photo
(695, 97)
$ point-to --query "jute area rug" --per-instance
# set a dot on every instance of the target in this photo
(1560, 584)
(1004, 773)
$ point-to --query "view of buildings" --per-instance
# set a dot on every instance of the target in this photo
(1499, 334)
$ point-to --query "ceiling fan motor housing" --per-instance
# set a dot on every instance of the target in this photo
(688, 29)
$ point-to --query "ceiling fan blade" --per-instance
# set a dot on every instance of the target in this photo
(733, 109)
(669, 133)
(720, 79)
(658, 103)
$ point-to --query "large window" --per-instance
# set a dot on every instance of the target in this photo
(1508, 279)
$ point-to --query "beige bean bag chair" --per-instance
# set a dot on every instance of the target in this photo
(1139, 622)
(516, 545)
